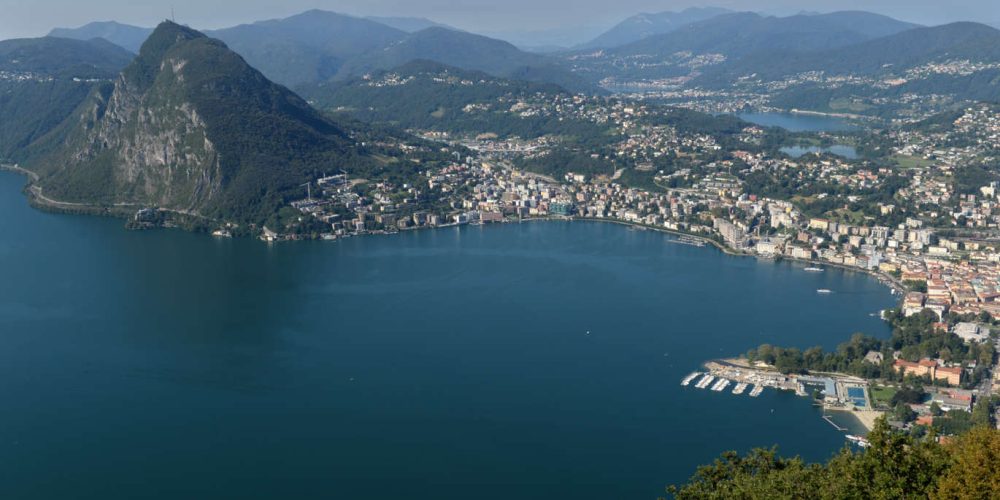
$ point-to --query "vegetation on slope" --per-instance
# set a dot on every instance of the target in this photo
(895, 466)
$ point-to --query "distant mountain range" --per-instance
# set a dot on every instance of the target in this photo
(428, 95)
(739, 34)
(42, 80)
(122, 35)
(409, 24)
(643, 26)
(308, 47)
(60, 57)
(316, 45)
(894, 53)
(466, 51)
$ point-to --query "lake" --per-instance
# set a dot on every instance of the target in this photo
(534, 360)
(799, 122)
(848, 152)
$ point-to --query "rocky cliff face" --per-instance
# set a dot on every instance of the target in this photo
(158, 145)
(190, 126)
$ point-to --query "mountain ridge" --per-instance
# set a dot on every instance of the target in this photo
(190, 126)
(644, 25)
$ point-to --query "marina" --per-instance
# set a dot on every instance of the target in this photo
(721, 385)
(688, 240)
(834, 392)
(687, 380)
(703, 383)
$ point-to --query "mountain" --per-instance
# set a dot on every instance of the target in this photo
(428, 95)
(122, 35)
(190, 126)
(892, 56)
(724, 40)
(957, 41)
(466, 51)
(62, 57)
(42, 80)
(551, 39)
(740, 34)
(408, 24)
(642, 26)
(308, 47)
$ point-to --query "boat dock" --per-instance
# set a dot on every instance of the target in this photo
(687, 380)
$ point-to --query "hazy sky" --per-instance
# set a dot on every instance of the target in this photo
(20, 18)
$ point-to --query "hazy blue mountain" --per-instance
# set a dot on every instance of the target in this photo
(63, 57)
(408, 24)
(739, 34)
(42, 80)
(190, 126)
(552, 39)
(122, 35)
(466, 51)
(645, 25)
(889, 54)
(308, 47)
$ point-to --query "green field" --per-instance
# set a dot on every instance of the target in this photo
(881, 396)
(911, 161)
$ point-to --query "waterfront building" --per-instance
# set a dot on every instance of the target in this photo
(952, 375)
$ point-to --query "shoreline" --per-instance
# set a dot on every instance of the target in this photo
(740, 369)
(889, 281)
(39, 201)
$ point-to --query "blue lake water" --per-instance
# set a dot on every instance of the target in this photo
(799, 123)
(848, 152)
(444, 364)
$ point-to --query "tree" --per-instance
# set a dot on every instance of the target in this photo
(903, 413)
(894, 466)
(897, 465)
(936, 410)
(975, 467)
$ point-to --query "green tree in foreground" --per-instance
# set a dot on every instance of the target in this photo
(896, 466)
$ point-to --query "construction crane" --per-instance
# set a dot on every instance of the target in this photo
(308, 186)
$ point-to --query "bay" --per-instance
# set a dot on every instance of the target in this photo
(535, 360)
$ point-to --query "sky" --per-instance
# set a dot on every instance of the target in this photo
(27, 18)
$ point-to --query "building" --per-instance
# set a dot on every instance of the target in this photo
(972, 332)
(874, 357)
(735, 236)
(931, 368)
(913, 303)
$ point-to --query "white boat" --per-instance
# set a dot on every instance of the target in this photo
(687, 380)
(815, 269)
(858, 440)
(824, 290)
(740, 387)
